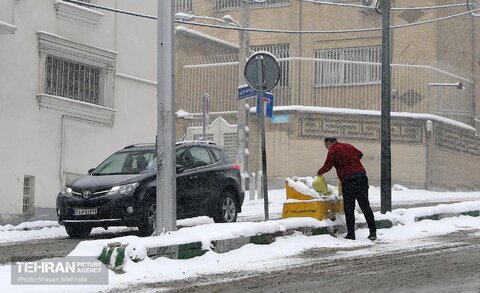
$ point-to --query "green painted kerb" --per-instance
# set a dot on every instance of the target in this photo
(120, 256)
(383, 224)
(105, 255)
(320, 231)
(471, 213)
(259, 239)
(430, 217)
(190, 250)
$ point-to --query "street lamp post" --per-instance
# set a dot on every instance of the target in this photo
(242, 59)
(243, 54)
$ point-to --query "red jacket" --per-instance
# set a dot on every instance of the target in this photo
(345, 158)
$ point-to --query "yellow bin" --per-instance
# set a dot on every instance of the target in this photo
(308, 206)
(318, 209)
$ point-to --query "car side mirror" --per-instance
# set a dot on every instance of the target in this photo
(180, 168)
(90, 171)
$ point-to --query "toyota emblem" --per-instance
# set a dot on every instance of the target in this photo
(87, 194)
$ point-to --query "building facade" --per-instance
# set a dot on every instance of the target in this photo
(435, 75)
(343, 69)
(76, 84)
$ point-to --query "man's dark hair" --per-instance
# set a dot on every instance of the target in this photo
(330, 139)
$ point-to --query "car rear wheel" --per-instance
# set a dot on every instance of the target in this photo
(78, 230)
(227, 209)
(149, 219)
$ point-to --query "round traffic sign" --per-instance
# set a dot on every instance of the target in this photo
(270, 72)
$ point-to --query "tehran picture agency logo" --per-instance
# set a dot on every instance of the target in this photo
(73, 270)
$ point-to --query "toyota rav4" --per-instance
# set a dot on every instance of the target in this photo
(121, 191)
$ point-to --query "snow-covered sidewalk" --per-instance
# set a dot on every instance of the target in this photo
(252, 211)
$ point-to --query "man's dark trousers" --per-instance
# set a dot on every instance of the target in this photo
(355, 187)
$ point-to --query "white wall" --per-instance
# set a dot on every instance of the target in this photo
(30, 137)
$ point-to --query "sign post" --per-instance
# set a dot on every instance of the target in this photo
(166, 202)
(262, 73)
(206, 117)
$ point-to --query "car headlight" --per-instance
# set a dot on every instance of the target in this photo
(66, 191)
(123, 189)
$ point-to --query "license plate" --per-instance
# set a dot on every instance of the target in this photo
(84, 212)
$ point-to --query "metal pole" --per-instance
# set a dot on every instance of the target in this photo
(242, 59)
(205, 116)
(262, 135)
(166, 212)
(386, 155)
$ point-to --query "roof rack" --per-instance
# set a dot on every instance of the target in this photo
(138, 145)
(209, 142)
(196, 141)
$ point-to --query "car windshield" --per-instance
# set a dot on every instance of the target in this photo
(132, 162)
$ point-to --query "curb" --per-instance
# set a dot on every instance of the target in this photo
(114, 254)
(440, 216)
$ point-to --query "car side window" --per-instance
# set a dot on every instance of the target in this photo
(217, 154)
(182, 158)
(200, 157)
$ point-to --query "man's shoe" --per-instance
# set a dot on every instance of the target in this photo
(372, 237)
(350, 237)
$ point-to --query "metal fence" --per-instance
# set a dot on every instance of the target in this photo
(233, 4)
(314, 81)
(183, 6)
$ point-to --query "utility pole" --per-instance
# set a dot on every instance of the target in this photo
(243, 54)
(386, 152)
(206, 119)
(166, 209)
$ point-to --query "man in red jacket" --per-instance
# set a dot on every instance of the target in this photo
(346, 160)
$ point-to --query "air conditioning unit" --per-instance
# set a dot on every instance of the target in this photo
(369, 6)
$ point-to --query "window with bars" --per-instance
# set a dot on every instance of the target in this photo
(359, 71)
(183, 6)
(232, 4)
(72, 80)
(28, 192)
(280, 51)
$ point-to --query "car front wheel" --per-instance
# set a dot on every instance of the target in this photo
(149, 219)
(227, 210)
(78, 230)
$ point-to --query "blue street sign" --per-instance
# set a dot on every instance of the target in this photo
(269, 99)
(280, 119)
(245, 92)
